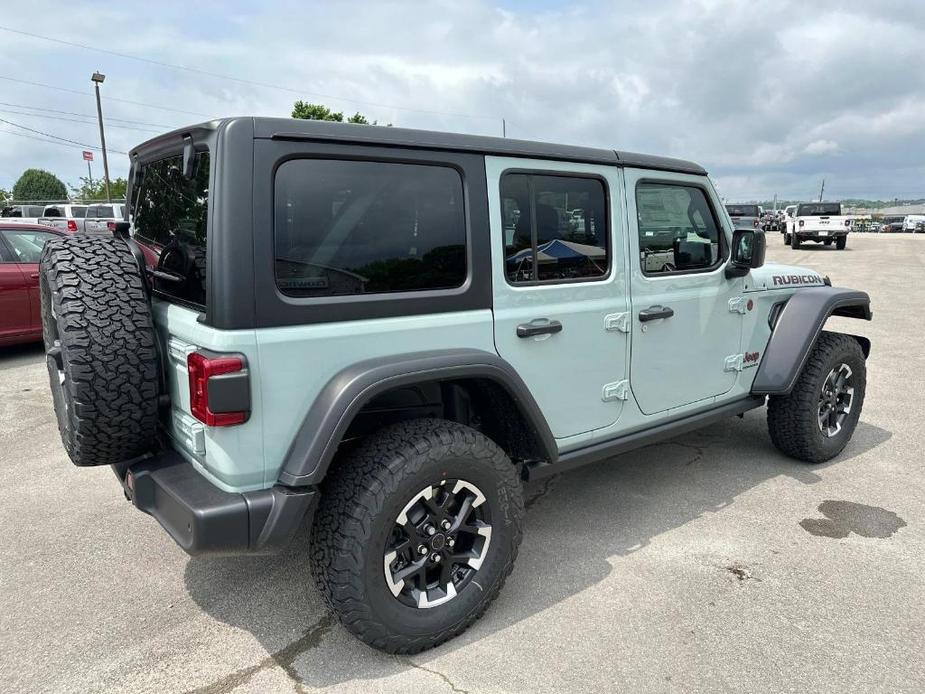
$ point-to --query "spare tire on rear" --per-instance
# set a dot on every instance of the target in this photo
(101, 351)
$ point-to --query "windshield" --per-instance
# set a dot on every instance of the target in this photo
(742, 210)
(819, 209)
(170, 215)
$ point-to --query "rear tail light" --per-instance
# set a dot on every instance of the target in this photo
(755, 223)
(71, 225)
(847, 222)
(801, 222)
(111, 226)
(225, 375)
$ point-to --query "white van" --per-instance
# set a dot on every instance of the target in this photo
(911, 220)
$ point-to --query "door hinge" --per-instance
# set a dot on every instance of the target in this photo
(615, 391)
(617, 322)
(738, 304)
(734, 362)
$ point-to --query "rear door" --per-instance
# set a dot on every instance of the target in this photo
(26, 246)
(683, 328)
(559, 286)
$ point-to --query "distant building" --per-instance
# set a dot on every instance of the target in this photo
(892, 211)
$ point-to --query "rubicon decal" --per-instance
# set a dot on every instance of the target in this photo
(750, 359)
(789, 280)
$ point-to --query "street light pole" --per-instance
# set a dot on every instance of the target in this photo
(97, 79)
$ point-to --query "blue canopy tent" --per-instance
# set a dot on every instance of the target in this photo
(559, 253)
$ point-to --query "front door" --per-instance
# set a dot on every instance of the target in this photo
(683, 329)
(559, 286)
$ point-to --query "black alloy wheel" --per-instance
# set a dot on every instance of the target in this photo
(835, 400)
(438, 544)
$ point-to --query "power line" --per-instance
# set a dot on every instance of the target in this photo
(239, 80)
(105, 98)
(56, 137)
(82, 115)
(42, 139)
(76, 120)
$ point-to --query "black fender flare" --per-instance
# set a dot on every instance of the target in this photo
(797, 328)
(330, 415)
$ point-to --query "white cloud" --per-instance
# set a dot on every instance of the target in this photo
(821, 147)
(769, 96)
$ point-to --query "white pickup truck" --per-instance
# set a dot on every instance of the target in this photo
(102, 217)
(22, 214)
(64, 217)
(821, 222)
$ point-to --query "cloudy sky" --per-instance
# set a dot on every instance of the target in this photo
(771, 97)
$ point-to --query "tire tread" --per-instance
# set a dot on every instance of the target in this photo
(354, 493)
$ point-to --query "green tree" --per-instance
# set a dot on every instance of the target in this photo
(37, 184)
(96, 189)
(4, 196)
(307, 111)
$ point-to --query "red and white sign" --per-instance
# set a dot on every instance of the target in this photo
(88, 155)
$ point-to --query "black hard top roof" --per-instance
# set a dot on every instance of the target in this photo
(294, 128)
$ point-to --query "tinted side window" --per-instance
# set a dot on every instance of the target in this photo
(677, 229)
(27, 244)
(170, 214)
(363, 227)
(555, 228)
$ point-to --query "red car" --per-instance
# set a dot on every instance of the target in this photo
(20, 305)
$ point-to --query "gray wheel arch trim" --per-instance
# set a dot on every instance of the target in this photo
(316, 442)
(797, 329)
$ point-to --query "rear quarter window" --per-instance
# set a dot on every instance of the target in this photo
(170, 215)
(365, 227)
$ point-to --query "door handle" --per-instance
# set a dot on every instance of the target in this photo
(655, 312)
(534, 328)
(34, 275)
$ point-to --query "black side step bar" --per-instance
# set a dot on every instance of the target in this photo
(629, 442)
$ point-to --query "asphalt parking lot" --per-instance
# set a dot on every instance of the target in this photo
(707, 563)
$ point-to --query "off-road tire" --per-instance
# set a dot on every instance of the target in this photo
(794, 241)
(360, 499)
(786, 239)
(841, 242)
(95, 308)
(792, 418)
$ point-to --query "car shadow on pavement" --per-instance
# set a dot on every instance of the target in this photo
(593, 516)
(823, 247)
(20, 355)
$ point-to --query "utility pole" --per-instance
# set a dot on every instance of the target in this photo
(503, 128)
(775, 202)
(822, 190)
(97, 79)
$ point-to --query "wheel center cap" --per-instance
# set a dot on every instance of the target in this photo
(438, 541)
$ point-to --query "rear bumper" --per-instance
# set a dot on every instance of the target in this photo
(204, 519)
(820, 235)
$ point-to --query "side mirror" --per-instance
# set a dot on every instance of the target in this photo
(748, 248)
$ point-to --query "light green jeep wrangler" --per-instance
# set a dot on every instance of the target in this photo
(377, 335)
